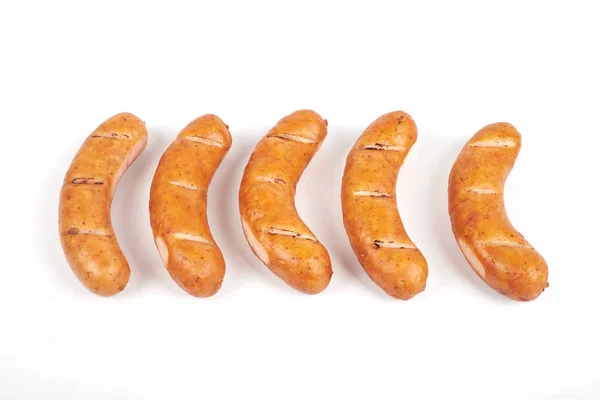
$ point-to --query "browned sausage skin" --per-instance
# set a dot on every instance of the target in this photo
(495, 250)
(270, 221)
(86, 232)
(178, 201)
(370, 211)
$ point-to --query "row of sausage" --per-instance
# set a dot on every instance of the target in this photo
(277, 235)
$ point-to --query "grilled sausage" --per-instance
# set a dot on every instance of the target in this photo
(270, 221)
(495, 250)
(178, 200)
(370, 210)
(86, 232)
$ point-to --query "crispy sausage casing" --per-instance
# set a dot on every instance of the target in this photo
(178, 198)
(270, 221)
(495, 250)
(370, 210)
(86, 232)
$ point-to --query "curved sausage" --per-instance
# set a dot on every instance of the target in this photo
(86, 232)
(270, 221)
(178, 199)
(370, 210)
(495, 250)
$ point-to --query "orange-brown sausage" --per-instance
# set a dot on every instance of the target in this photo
(86, 232)
(270, 221)
(370, 210)
(495, 250)
(178, 198)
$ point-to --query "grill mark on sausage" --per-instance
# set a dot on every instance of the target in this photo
(504, 243)
(89, 232)
(186, 185)
(498, 143)
(390, 244)
(477, 190)
(367, 193)
(192, 238)
(86, 181)
(208, 142)
(382, 147)
(112, 135)
(271, 179)
(293, 138)
(287, 232)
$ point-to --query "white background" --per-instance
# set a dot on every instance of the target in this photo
(65, 66)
